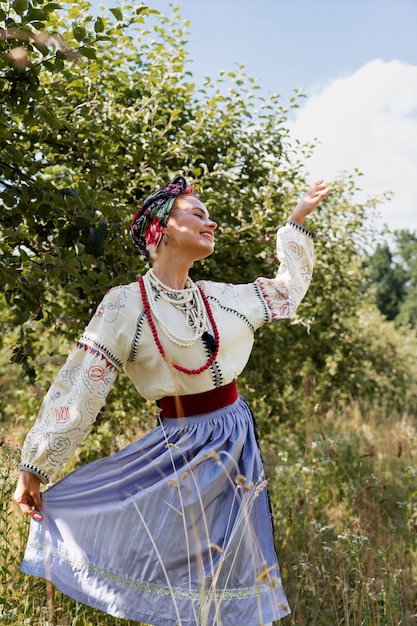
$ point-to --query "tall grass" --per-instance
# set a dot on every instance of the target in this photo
(345, 498)
(344, 493)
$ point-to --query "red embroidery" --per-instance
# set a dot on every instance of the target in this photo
(97, 353)
(285, 310)
(100, 311)
(96, 373)
(295, 249)
(305, 272)
(62, 415)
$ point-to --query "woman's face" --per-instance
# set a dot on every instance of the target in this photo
(190, 229)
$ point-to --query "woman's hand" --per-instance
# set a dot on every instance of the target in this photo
(28, 495)
(309, 201)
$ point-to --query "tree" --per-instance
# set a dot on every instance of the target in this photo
(394, 276)
(100, 111)
(407, 247)
(390, 280)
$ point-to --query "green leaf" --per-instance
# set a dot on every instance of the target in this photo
(117, 14)
(52, 6)
(99, 25)
(147, 11)
(34, 15)
(79, 32)
(20, 6)
(90, 53)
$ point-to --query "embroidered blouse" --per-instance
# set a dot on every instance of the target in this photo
(119, 337)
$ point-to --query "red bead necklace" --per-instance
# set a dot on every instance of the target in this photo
(158, 343)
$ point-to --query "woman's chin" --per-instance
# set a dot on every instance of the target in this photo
(204, 255)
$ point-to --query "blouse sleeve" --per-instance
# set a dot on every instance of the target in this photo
(80, 389)
(295, 251)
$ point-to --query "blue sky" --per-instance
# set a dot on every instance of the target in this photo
(289, 44)
(356, 61)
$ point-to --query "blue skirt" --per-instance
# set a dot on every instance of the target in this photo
(173, 529)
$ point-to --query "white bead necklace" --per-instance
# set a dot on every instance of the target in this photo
(189, 300)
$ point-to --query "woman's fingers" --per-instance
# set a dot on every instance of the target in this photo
(27, 494)
(29, 509)
(309, 201)
(318, 190)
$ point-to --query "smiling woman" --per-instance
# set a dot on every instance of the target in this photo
(176, 527)
(189, 233)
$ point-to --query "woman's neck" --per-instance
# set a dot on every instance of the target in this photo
(171, 276)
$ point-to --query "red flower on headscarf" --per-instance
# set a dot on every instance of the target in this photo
(153, 235)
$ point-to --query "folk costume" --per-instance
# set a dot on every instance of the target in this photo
(175, 528)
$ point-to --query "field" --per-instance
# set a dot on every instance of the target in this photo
(344, 495)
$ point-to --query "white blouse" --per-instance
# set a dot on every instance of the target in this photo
(119, 337)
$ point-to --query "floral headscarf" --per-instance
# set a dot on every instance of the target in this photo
(148, 225)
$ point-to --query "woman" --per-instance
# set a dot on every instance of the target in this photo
(175, 528)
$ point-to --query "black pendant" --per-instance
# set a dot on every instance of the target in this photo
(209, 341)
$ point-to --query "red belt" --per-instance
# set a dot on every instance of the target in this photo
(195, 404)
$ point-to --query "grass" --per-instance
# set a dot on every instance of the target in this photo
(346, 501)
(344, 494)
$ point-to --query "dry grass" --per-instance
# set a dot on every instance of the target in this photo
(343, 487)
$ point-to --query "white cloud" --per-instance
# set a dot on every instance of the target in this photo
(368, 121)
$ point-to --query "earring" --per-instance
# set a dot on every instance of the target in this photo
(165, 240)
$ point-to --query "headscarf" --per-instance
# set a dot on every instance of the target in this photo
(147, 227)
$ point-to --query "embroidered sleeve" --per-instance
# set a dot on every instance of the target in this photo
(283, 294)
(80, 389)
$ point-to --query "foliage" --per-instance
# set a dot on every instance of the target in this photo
(407, 246)
(61, 213)
(349, 350)
(389, 278)
(98, 115)
(394, 275)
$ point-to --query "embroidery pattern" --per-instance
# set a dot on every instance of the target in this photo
(266, 303)
(161, 590)
(233, 311)
(215, 370)
(29, 467)
(137, 336)
(305, 271)
(88, 344)
(226, 289)
(295, 249)
(96, 373)
(70, 407)
(109, 309)
(217, 375)
(62, 414)
(283, 293)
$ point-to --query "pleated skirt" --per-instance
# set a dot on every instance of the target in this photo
(173, 529)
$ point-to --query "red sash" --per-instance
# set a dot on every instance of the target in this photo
(195, 404)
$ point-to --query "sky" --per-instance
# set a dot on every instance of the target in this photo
(356, 63)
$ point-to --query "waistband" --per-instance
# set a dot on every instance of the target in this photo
(198, 403)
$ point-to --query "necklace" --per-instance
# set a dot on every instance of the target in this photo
(189, 300)
(147, 308)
